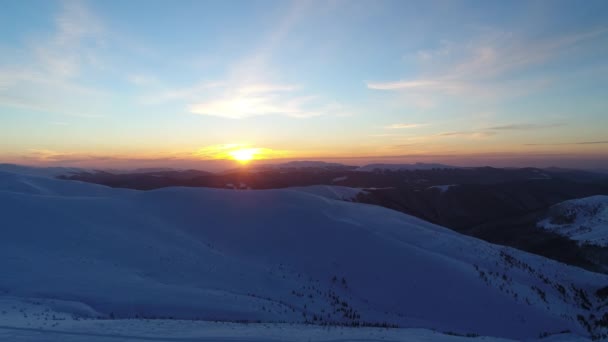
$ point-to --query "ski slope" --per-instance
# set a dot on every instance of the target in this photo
(282, 256)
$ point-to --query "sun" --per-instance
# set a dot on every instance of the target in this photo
(244, 155)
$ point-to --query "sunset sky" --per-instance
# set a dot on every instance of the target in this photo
(179, 83)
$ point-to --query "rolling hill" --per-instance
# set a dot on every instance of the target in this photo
(283, 255)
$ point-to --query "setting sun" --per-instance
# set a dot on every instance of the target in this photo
(244, 155)
(213, 165)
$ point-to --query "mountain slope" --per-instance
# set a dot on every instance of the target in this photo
(276, 255)
(398, 167)
(584, 220)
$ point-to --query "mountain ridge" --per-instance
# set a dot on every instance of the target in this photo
(285, 255)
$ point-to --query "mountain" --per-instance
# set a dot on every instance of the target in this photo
(584, 220)
(398, 167)
(286, 255)
(141, 170)
(40, 171)
(306, 164)
(500, 206)
(298, 165)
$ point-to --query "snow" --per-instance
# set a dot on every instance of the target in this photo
(442, 188)
(383, 188)
(40, 171)
(541, 175)
(46, 325)
(397, 167)
(141, 170)
(284, 255)
(333, 192)
(339, 179)
(241, 186)
(584, 220)
(36, 320)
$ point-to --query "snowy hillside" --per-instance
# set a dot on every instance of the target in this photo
(333, 192)
(442, 188)
(290, 255)
(37, 320)
(39, 171)
(584, 220)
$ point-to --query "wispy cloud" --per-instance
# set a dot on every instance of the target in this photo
(46, 78)
(226, 151)
(470, 134)
(494, 130)
(50, 156)
(190, 93)
(143, 80)
(523, 127)
(252, 85)
(256, 100)
(210, 152)
(66, 51)
(383, 135)
(417, 84)
(457, 68)
(403, 126)
(571, 143)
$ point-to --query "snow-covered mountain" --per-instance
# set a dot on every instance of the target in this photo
(40, 171)
(584, 220)
(398, 167)
(289, 255)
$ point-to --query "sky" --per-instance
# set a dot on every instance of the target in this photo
(194, 83)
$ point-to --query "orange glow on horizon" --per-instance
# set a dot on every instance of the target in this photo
(241, 153)
(244, 155)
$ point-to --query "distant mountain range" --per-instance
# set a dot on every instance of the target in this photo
(398, 167)
(251, 168)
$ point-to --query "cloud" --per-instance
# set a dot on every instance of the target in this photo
(472, 67)
(571, 143)
(469, 134)
(45, 156)
(383, 135)
(494, 130)
(143, 80)
(403, 126)
(419, 84)
(591, 142)
(69, 48)
(251, 86)
(227, 151)
(267, 88)
(218, 156)
(47, 78)
(523, 127)
(189, 93)
(263, 99)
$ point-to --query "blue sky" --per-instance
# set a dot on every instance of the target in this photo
(146, 83)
